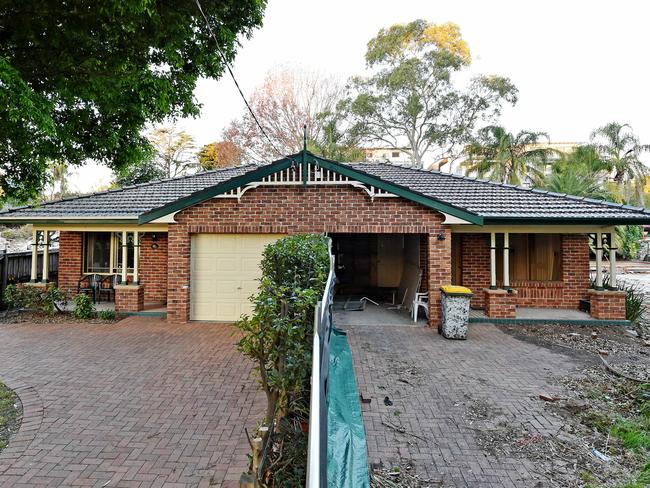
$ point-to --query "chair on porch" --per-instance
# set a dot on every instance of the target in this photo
(107, 286)
(89, 284)
(420, 299)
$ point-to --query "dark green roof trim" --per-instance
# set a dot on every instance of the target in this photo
(398, 190)
(284, 163)
(566, 221)
(212, 191)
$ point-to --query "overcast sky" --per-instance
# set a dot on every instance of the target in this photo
(577, 64)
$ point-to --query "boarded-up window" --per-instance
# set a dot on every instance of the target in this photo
(533, 257)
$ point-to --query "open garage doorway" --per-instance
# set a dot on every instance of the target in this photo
(378, 276)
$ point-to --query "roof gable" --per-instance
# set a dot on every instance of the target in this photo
(303, 159)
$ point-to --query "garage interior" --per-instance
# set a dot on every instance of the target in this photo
(377, 277)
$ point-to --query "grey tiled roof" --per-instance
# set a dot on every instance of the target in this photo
(131, 201)
(483, 198)
(498, 201)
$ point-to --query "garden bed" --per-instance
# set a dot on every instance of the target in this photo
(10, 415)
(31, 317)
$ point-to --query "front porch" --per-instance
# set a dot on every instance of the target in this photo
(123, 268)
(538, 273)
(536, 315)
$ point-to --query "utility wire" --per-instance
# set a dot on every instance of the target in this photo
(232, 75)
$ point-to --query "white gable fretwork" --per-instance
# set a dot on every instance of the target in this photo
(315, 176)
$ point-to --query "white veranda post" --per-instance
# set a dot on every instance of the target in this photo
(599, 260)
(493, 260)
(612, 261)
(34, 256)
(506, 259)
(125, 256)
(136, 257)
(46, 256)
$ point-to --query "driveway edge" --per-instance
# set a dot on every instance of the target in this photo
(29, 425)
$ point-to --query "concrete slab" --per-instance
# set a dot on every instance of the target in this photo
(531, 313)
(375, 315)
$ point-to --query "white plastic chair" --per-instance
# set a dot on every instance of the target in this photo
(420, 300)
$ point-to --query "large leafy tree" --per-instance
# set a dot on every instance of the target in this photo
(508, 158)
(411, 96)
(621, 149)
(79, 79)
(289, 101)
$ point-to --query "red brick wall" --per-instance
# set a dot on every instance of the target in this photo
(153, 264)
(607, 305)
(294, 210)
(475, 271)
(70, 260)
(129, 298)
(424, 259)
(153, 267)
(558, 294)
(500, 304)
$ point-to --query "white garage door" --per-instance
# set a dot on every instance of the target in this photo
(225, 272)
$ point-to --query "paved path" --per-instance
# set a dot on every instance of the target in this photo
(139, 403)
(444, 391)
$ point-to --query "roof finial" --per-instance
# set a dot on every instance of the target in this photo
(304, 137)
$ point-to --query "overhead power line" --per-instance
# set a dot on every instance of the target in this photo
(232, 75)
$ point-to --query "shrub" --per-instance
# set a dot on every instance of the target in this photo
(635, 306)
(46, 299)
(628, 237)
(106, 314)
(278, 335)
(84, 308)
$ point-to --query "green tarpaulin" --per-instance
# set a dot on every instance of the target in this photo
(347, 455)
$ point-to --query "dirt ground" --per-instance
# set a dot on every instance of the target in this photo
(606, 389)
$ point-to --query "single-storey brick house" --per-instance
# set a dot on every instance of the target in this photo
(194, 242)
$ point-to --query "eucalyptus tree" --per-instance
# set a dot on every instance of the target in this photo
(502, 156)
(80, 80)
(411, 96)
(621, 149)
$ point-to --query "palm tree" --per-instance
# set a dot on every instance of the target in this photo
(580, 172)
(575, 181)
(620, 148)
(502, 156)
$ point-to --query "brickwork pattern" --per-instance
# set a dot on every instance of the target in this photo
(607, 305)
(294, 210)
(153, 267)
(70, 260)
(444, 380)
(566, 293)
(500, 304)
(136, 404)
(129, 298)
(475, 270)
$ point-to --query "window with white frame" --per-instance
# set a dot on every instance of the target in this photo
(103, 252)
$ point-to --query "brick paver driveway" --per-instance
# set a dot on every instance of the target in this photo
(139, 403)
(444, 393)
